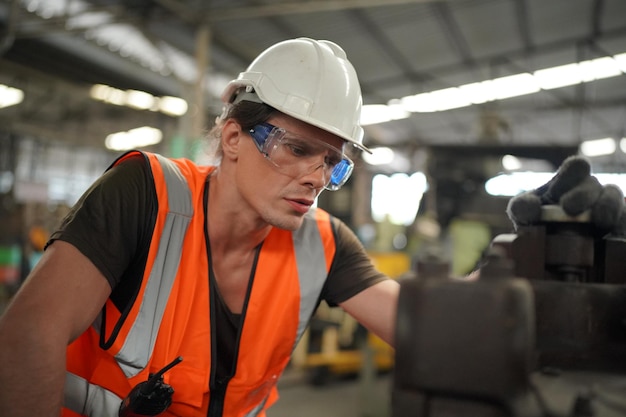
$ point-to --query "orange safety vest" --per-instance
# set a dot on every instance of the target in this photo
(170, 315)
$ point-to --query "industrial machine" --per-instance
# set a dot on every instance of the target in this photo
(336, 345)
(542, 332)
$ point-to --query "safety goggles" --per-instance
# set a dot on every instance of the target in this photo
(298, 156)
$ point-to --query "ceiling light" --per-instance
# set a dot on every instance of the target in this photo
(439, 100)
(502, 88)
(620, 60)
(599, 68)
(508, 185)
(557, 77)
(448, 98)
(133, 139)
(513, 86)
(173, 106)
(380, 113)
(108, 94)
(379, 156)
(511, 163)
(99, 91)
(598, 147)
(139, 99)
(418, 103)
(478, 93)
(516, 183)
(10, 96)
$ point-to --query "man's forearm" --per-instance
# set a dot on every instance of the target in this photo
(32, 373)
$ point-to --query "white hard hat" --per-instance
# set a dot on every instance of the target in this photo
(310, 80)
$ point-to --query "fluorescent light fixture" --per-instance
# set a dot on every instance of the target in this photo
(599, 68)
(418, 103)
(511, 163)
(172, 106)
(508, 185)
(10, 96)
(133, 139)
(379, 156)
(516, 182)
(439, 100)
(380, 113)
(99, 92)
(576, 73)
(557, 77)
(505, 87)
(598, 147)
(513, 86)
(139, 99)
(622, 145)
(620, 60)
(478, 93)
(448, 98)
(108, 94)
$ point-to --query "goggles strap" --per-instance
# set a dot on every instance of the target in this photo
(247, 94)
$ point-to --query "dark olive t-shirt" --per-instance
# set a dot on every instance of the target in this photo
(112, 225)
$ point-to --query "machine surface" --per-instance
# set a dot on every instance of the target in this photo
(542, 332)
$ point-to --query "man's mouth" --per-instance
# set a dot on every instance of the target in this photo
(301, 205)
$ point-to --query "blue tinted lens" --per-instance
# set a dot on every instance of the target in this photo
(260, 133)
(340, 172)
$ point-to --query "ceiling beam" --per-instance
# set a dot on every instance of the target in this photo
(523, 27)
(219, 14)
(507, 56)
(453, 33)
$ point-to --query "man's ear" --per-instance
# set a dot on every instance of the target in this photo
(231, 136)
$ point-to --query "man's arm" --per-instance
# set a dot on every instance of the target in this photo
(59, 300)
(375, 308)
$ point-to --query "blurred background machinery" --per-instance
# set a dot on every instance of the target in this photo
(542, 332)
(336, 346)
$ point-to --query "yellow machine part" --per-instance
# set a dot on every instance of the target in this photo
(331, 356)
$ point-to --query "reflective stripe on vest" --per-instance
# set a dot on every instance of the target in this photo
(96, 401)
(311, 262)
(133, 357)
(256, 410)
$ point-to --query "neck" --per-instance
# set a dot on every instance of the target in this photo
(233, 226)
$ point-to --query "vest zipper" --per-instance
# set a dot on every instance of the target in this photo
(216, 402)
(217, 387)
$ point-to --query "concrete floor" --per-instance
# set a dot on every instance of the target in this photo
(358, 396)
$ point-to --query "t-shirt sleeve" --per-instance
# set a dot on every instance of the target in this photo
(352, 270)
(112, 222)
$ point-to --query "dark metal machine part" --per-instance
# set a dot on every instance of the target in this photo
(541, 333)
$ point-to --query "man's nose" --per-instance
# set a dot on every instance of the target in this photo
(317, 175)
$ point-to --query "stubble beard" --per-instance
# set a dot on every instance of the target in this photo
(283, 221)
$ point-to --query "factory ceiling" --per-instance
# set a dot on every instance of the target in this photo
(55, 50)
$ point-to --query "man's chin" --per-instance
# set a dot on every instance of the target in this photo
(291, 224)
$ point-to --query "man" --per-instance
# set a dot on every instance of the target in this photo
(221, 267)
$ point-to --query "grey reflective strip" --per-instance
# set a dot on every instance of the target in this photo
(256, 410)
(88, 399)
(311, 261)
(138, 346)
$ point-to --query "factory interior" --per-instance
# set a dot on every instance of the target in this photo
(466, 104)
